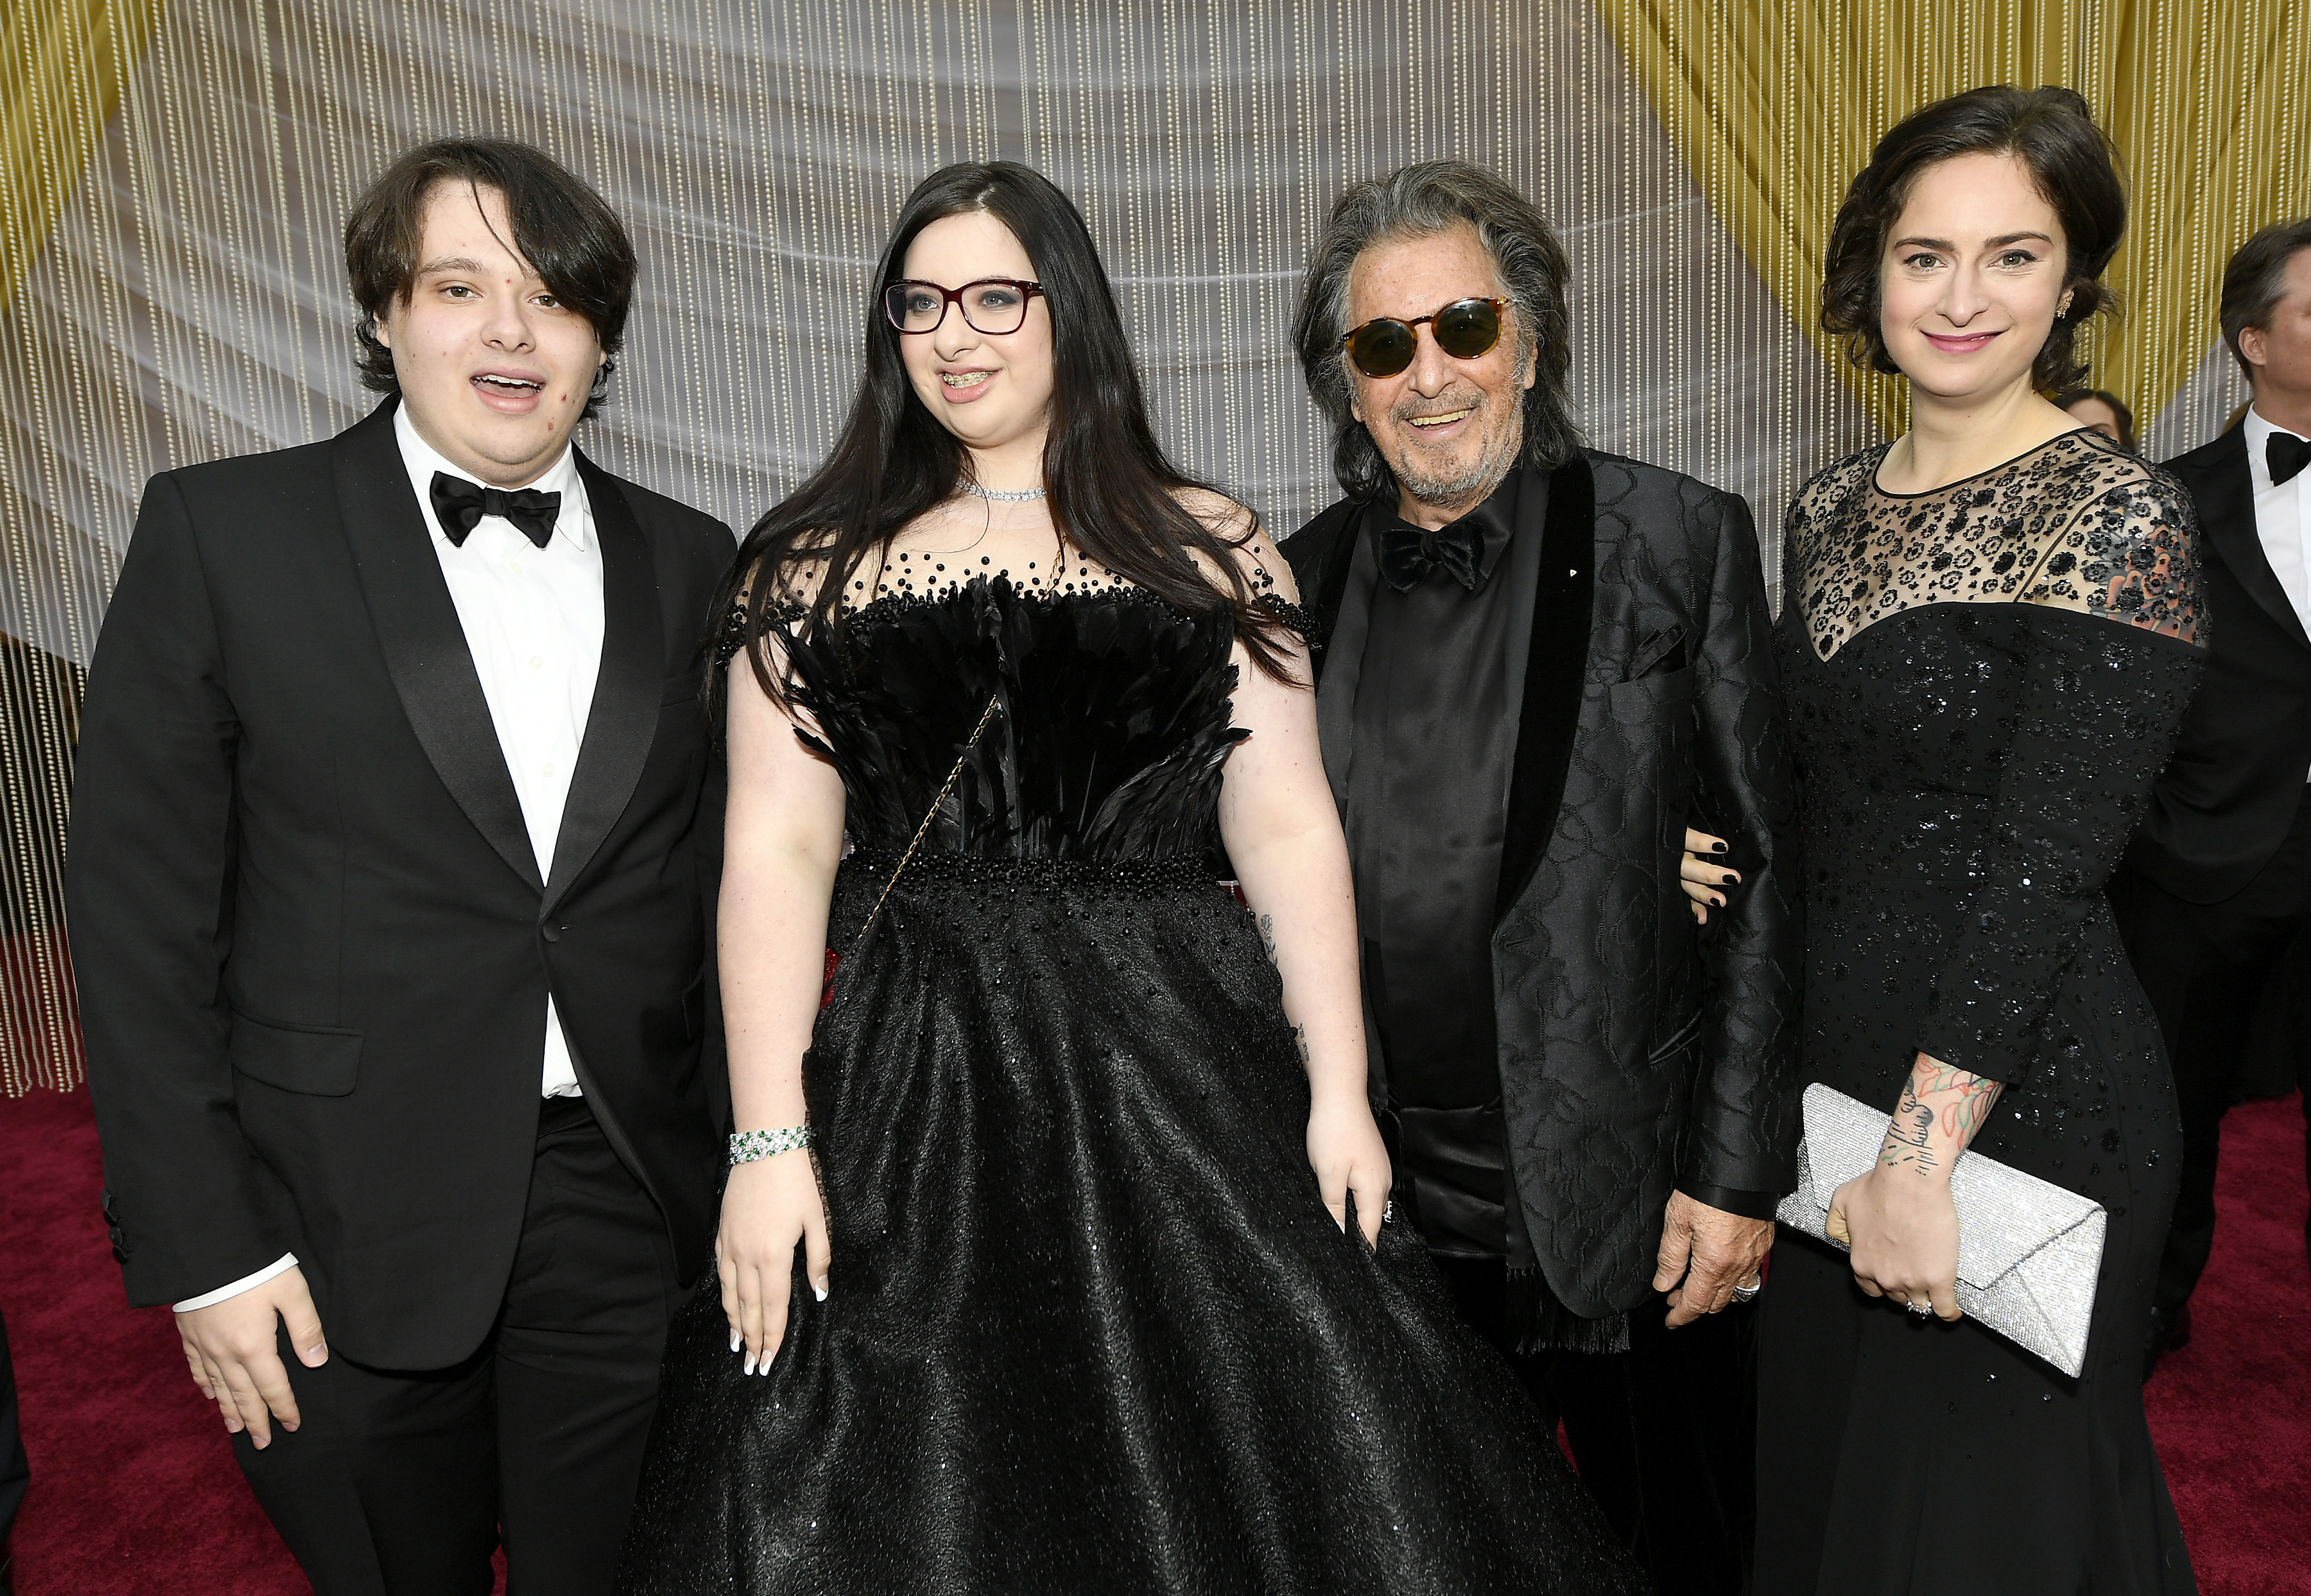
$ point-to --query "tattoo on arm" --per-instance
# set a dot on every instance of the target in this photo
(1267, 935)
(1941, 1109)
(1300, 1041)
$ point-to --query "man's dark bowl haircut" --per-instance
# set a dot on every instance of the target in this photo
(2051, 132)
(561, 226)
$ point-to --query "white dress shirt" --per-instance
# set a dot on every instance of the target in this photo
(533, 623)
(2282, 516)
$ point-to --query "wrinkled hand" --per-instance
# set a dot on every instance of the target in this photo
(1346, 1151)
(1709, 1250)
(769, 1205)
(1703, 872)
(234, 1351)
(1902, 1229)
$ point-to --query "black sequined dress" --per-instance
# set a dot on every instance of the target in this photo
(1983, 681)
(1090, 1327)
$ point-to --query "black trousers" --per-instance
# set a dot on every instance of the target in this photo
(398, 1482)
(2205, 967)
(1664, 1435)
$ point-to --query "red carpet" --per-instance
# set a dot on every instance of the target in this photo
(134, 1488)
(2232, 1411)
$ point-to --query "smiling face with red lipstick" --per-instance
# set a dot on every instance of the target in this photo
(493, 366)
(1972, 278)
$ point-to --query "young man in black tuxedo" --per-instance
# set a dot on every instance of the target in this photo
(2217, 883)
(1541, 661)
(395, 842)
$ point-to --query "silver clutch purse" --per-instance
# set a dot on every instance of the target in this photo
(2028, 1252)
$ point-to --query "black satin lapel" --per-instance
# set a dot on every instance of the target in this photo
(2224, 492)
(1556, 667)
(424, 645)
(623, 719)
(1322, 572)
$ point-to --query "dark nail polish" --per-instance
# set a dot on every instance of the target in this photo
(1733, 880)
(1717, 846)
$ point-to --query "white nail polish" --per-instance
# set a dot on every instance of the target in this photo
(736, 1340)
(750, 1363)
(819, 1289)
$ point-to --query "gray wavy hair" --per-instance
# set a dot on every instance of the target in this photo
(1417, 202)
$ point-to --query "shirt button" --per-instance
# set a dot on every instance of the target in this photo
(546, 770)
(536, 663)
(514, 566)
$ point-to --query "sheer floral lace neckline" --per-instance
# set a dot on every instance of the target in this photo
(2076, 523)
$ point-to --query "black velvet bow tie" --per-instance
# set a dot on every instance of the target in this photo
(459, 504)
(2288, 454)
(1408, 553)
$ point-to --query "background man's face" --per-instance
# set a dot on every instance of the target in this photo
(495, 369)
(2279, 350)
(1449, 429)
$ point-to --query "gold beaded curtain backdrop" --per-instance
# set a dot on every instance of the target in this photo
(177, 171)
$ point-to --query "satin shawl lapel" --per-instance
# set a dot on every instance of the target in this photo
(2223, 489)
(623, 717)
(418, 631)
(1555, 671)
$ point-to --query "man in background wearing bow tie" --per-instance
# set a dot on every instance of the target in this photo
(2217, 883)
(394, 839)
(1543, 661)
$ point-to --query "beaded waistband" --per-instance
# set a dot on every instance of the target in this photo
(998, 872)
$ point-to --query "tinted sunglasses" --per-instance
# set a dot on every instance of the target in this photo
(1463, 329)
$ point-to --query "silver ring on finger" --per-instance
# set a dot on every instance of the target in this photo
(1742, 1294)
(1919, 1307)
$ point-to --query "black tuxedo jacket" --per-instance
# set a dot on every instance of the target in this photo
(2224, 802)
(312, 944)
(1637, 1053)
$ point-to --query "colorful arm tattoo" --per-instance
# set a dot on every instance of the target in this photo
(1941, 1109)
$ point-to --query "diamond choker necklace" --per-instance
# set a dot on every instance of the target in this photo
(1022, 497)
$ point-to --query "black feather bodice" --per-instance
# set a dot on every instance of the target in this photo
(1111, 729)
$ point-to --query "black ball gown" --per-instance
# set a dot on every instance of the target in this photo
(1090, 1327)
(1983, 681)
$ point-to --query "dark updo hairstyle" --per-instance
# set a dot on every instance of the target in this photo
(566, 231)
(1113, 491)
(2054, 134)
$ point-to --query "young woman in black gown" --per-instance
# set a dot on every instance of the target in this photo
(1988, 635)
(1092, 1288)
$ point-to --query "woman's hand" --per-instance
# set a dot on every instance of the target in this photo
(1704, 873)
(768, 1207)
(1899, 1219)
(1346, 1151)
(1904, 1232)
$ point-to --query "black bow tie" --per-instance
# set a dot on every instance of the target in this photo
(459, 504)
(1408, 553)
(2288, 454)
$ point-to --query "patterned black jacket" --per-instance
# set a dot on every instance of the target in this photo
(1639, 1053)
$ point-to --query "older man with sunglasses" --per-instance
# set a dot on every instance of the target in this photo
(1543, 662)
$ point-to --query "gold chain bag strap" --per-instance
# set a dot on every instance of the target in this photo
(834, 959)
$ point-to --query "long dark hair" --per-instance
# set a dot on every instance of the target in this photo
(1112, 489)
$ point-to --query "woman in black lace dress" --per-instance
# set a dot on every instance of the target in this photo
(1987, 639)
(1091, 1289)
